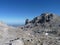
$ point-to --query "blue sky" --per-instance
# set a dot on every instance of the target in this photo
(16, 11)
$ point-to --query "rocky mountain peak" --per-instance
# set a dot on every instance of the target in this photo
(42, 19)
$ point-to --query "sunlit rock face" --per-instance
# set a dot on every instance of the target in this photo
(18, 42)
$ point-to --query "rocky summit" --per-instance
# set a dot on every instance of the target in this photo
(41, 30)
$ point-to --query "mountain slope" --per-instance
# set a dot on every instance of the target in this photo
(41, 30)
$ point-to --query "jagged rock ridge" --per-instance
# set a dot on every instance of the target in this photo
(45, 18)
